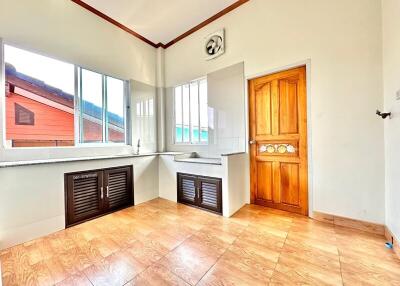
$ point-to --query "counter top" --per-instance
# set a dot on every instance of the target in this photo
(200, 160)
(65, 160)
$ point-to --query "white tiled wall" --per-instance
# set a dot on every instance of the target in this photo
(226, 109)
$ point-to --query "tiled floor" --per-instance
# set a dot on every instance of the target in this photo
(163, 243)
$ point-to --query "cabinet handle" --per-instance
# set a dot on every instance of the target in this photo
(108, 191)
(101, 193)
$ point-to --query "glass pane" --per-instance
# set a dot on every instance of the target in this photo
(115, 110)
(92, 106)
(194, 111)
(39, 100)
(151, 107)
(178, 114)
(203, 111)
(186, 108)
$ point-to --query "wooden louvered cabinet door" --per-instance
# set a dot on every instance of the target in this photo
(210, 193)
(201, 192)
(187, 186)
(89, 194)
(118, 187)
(83, 196)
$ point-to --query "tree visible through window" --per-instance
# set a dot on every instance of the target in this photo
(191, 112)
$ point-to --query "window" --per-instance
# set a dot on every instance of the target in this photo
(191, 118)
(144, 117)
(23, 116)
(102, 103)
(43, 108)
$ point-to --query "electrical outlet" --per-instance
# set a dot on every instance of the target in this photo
(398, 95)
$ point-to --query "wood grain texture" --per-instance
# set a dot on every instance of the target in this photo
(350, 223)
(278, 116)
(164, 243)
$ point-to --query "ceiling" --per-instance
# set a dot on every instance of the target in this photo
(160, 21)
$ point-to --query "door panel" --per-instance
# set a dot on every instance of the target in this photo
(288, 106)
(187, 189)
(118, 187)
(264, 180)
(263, 110)
(278, 129)
(210, 195)
(289, 183)
(84, 196)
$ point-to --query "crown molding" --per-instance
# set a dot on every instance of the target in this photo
(158, 45)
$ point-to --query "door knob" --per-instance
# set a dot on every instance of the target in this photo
(251, 142)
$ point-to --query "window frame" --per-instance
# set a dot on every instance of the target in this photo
(79, 113)
(77, 107)
(190, 143)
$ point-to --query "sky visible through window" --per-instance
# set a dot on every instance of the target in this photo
(53, 72)
(60, 74)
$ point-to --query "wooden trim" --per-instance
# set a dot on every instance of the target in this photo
(206, 22)
(350, 223)
(114, 22)
(144, 39)
(391, 238)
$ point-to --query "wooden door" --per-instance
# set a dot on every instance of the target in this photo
(210, 194)
(84, 196)
(187, 189)
(118, 188)
(278, 140)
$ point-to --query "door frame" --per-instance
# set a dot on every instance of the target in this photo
(307, 64)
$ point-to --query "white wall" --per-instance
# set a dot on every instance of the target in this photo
(32, 197)
(65, 31)
(235, 182)
(391, 81)
(342, 40)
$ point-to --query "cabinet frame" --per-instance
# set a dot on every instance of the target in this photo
(104, 210)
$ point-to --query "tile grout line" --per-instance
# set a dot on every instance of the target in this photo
(280, 252)
(221, 256)
(339, 256)
(157, 262)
